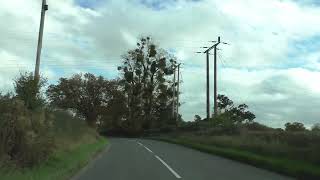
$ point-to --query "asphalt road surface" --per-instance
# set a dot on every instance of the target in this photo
(137, 159)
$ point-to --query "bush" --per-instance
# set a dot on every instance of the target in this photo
(255, 126)
(189, 126)
(24, 137)
(316, 128)
(28, 90)
(296, 126)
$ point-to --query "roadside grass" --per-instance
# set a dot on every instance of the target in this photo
(294, 168)
(60, 166)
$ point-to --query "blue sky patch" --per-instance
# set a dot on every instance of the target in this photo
(157, 4)
(91, 4)
(308, 2)
(161, 4)
(308, 45)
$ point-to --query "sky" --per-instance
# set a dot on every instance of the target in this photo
(272, 63)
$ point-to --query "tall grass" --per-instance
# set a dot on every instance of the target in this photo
(60, 166)
(299, 169)
(293, 153)
(303, 146)
(43, 144)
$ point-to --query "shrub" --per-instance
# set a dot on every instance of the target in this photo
(28, 90)
(316, 128)
(255, 126)
(24, 137)
(295, 126)
(189, 126)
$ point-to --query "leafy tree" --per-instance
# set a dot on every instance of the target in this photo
(224, 103)
(241, 114)
(295, 126)
(197, 118)
(145, 71)
(236, 114)
(28, 90)
(316, 128)
(115, 112)
(86, 94)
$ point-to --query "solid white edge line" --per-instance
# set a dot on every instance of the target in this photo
(140, 144)
(170, 169)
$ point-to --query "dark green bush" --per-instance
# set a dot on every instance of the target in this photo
(255, 126)
(24, 137)
(316, 128)
(295, 126)
(28, 90)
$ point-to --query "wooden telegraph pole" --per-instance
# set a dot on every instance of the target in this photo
(44, 8)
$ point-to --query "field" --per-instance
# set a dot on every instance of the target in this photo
(292, 153)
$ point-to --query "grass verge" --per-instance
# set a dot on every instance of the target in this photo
(298, 169)
(60, 166)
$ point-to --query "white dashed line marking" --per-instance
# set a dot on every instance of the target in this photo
(148, 149)
(162, 161)
(170, 169)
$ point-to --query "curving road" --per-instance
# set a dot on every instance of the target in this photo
(137, 159)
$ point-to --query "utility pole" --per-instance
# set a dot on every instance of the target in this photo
(215, 79)
(174, 93)
(207, 52)
(178, 93)
(215, 73)
(44, 8)
(208, 87)
(215, 76)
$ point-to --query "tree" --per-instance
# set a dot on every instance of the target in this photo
(238, 114)
(115, 113)
(197, 118)
(295, 126)
(224, 103)
(316, 127)
(86, 94)
(28, 90)
(241, 114)
(145, 71)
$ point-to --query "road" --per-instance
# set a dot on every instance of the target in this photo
(137, 159)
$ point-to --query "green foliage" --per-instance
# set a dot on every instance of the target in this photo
(232, 114)
(145, 72)
(86, 94)
(295, 126)
(224, 103)
(61, 165)
(28, 90)
(316, 128)
(111, 121)
(28, 138)
(189, 126)
(255, 126)
(25, 138)
(241, 114)
(197, 118)
(299, 168)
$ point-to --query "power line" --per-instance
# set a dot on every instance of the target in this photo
(207, 52)
(222, 61)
